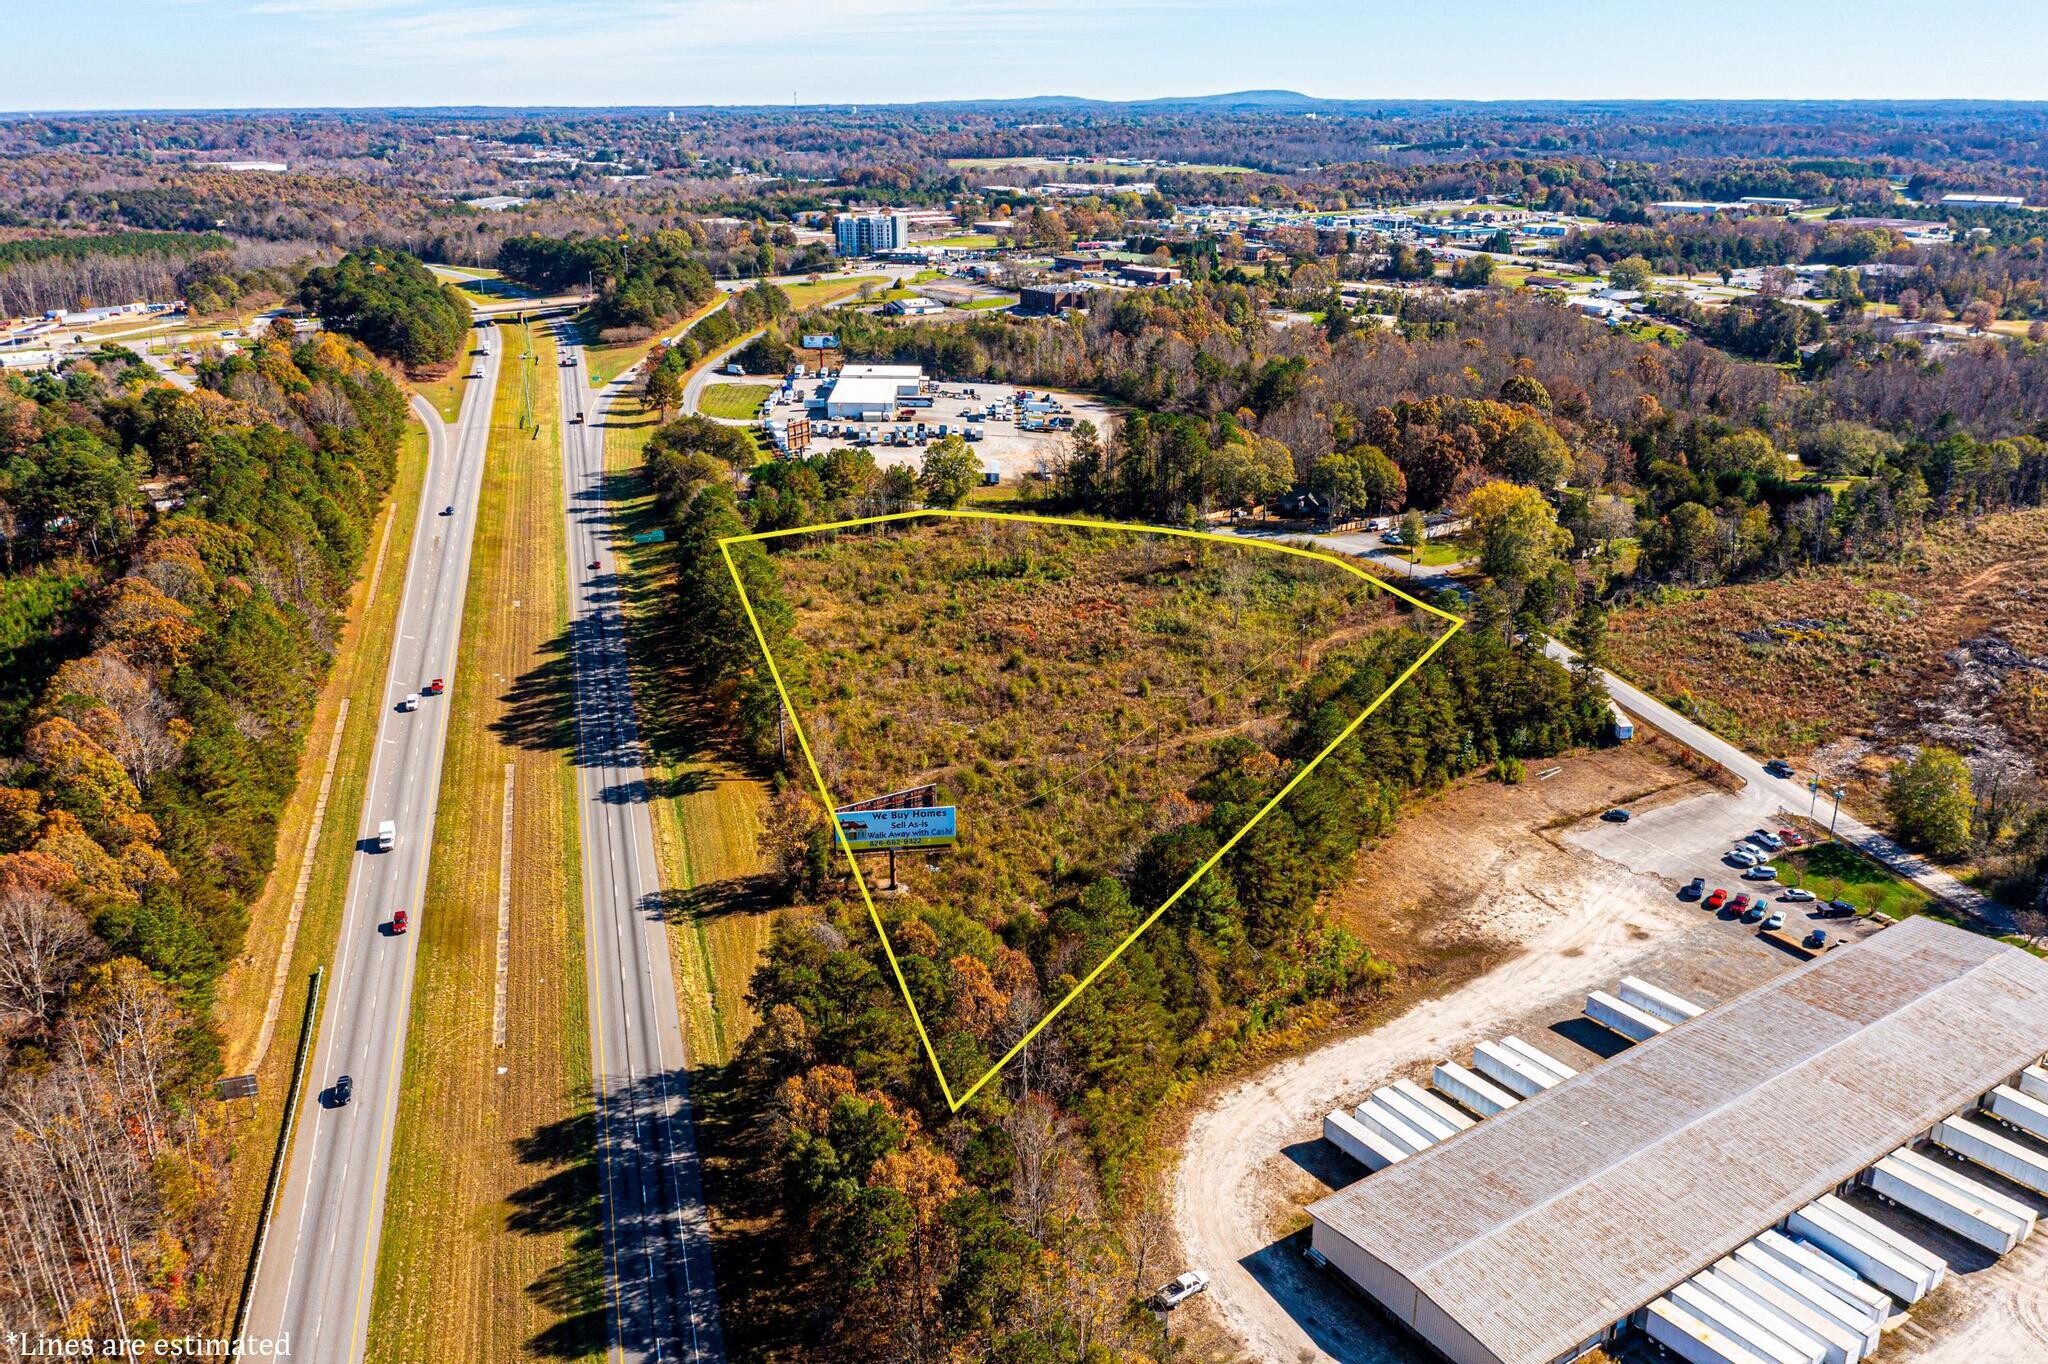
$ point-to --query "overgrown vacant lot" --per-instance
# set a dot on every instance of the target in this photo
(1064, 687)
(1950, 648)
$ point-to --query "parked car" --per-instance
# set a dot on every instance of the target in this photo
(1742, 857)
(1798, 896)
(1778, 767)
(1764, 838)
(1717, 899)
(1740, 904)
(1695, 890)
(1763, 872)
(1753, 913)
(1816, 939)
(399, 923)
(1616, 816)
(1793, 838)
(1838, 909)
(1181, 1289)
(1775, 922)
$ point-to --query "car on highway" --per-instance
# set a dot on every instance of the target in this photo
(411, 701)
(344, 1090)
(576, 420)
(448, 510)
(567, 362)
(1753, 913)
(1775, 922)
(1762, 872)
(1778, 767)
(1695, 890)
(1717, 899)
(595, 564)
(1798, 896)
(1617, 816)
(436, 687)
(1182, 1288)
(399, 922)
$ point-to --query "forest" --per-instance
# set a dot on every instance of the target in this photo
(185, 608)
(392, 304)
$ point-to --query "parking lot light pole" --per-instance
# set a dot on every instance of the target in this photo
(1813, 786)
(1837, 794)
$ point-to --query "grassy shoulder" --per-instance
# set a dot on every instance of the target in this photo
(735, 402)
(708, 802)
(492, 1241)
(607, 360)
(362, 660)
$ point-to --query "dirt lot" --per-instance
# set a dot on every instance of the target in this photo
(1501, 923)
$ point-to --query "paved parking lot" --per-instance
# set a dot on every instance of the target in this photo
(1005, 446)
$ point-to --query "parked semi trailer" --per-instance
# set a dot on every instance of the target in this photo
(2014, 1109)
(1691, 1339)
(1995, 1151)
(1816, 1292)
(1414, 1114)
(1475, 1092)
(1733, 1324)
(1537, 1057)
(1360, 1142)
(2033, 1083)
(1777, 1339)
(1511, 1071)
(1868, 1307)
(1840, 1344)
(1970, 1190)
(1389, 1125)
(1416, 1094)
(1624, 1018)
(1854, 1239)
(1652, 1000)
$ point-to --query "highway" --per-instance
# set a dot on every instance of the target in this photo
(318, 1268)
(661, 1296)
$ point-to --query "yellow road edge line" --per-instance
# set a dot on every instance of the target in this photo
(1457, 623)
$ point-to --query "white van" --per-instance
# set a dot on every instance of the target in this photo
(387, 835)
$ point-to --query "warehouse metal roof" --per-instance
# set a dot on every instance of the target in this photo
(1542, 1225)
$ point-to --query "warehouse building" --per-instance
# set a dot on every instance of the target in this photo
(1533, 1236)
(872, 392)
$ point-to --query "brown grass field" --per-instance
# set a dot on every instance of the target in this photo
(362, 656)
(492, 1242)
(1950, 647)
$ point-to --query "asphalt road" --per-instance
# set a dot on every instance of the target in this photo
(662, 1296)
(319, 1264)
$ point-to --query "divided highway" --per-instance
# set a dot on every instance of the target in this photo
(319, 1263)
(661, 1296)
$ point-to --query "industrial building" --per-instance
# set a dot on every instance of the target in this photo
(872, 392)
(1540, 1232)
(865, 234)
(1046, 300)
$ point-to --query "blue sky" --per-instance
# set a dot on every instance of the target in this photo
(90, 54)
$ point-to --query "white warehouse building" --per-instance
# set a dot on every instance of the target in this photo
(872, 392)
(1541, 1232)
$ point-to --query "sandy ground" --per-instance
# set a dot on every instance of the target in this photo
(1484, 879)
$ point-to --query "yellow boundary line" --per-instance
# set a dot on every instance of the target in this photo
(853, 863)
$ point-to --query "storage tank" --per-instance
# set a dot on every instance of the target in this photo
(1475, 1092)
(1416, 1094)
(1691, 1339)
(1992, 1149)
(1916, 1193)
(1360, 1142)
(1626, 1019)
(1653, 1000)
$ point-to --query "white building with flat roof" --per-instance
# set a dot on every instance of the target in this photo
(864, 234)
(871, 392)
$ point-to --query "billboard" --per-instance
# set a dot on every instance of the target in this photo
(821, 341)
(930, 826)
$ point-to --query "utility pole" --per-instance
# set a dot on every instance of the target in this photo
(1837, 794)
(1813, 799)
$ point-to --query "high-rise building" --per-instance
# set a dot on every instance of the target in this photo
(863, 234)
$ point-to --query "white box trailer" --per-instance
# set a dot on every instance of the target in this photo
(1853, 1317)
(1733, 1324)
(1995, 1151)
(1377, 1117)
(1691, 1339)
(1475, 1092)
(1360, 1142)
(1758, 1325)
(1416, 1116)
(2033, 1083)
(1851, 1237)
(1513, 1072)
(2014, 1109)
(1866, 1303)
(1897, 1182)
(1840, 1343)
(1543, 1060)
(1626, 1019)
(1416, 1094)
(1652, 1000)
(1975, 1190)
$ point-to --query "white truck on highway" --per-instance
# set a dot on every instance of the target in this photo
(387, 835)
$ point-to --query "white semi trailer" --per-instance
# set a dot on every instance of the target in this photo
(1618, 1016)
(1652, 1000)
(1475, 1092)
(1995, 1151)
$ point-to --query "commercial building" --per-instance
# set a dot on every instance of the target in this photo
(1536, 1235)
(1045, 300)
(1152, 275)
(865, 234)
(872, 392)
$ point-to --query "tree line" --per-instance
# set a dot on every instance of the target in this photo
(392, 304)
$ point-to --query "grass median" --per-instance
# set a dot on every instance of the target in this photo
(493, 1242)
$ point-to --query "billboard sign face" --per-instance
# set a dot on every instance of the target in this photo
(931, 826)
(821, 341)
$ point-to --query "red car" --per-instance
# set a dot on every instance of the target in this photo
(1741, 903)
(398, 921)
(436, 687)
(1793, 838)
(1717, 899)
